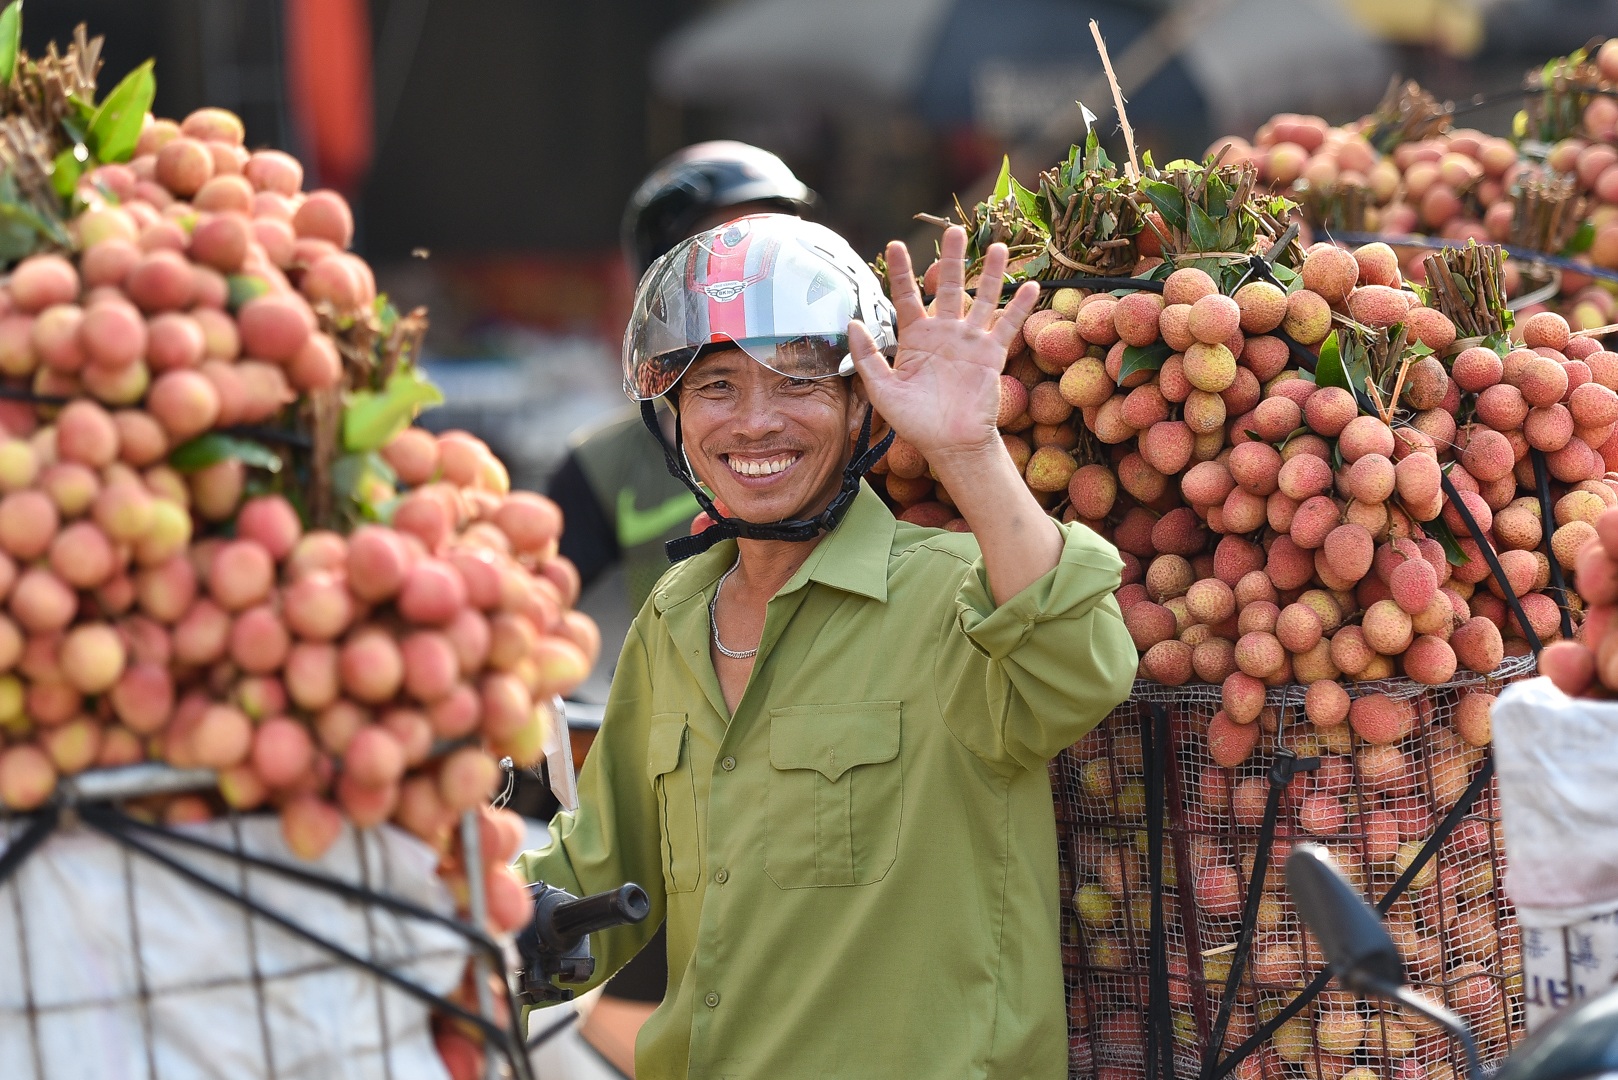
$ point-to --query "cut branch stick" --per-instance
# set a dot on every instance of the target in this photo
(1376, 396)
(1398, 387)
(1596, 331)
(1117, 100)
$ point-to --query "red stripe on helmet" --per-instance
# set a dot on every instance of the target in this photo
(727, 266)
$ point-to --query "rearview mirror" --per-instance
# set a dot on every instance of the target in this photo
(1357, 947)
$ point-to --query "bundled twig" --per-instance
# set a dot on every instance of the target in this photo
(1558, 94)
(1469, 286)
(321, 414)
(1337, 206)
(44, 91)
(40, 105)
(1406, 113)
(1549, 210)
(994, 221)
(1094, 219)
(1211, 212)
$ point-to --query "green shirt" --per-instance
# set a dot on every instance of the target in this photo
(858, 869)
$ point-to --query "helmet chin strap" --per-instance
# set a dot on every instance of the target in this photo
(724, 528)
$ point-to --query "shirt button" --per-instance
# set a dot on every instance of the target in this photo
(728, 763)
(722, 876)
(712, 1000)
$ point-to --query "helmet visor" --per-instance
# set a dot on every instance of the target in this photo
(805, 357)
(781, 290)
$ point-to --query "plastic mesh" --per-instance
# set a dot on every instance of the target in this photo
(1375, 807)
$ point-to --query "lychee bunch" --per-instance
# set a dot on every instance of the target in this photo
(1456, 185)
(163, 600)
(1272, 532)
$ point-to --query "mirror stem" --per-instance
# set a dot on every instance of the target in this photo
(1422, 1006)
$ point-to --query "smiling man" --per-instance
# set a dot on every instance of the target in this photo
(826, 744)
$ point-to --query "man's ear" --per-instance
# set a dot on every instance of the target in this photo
(857, 401)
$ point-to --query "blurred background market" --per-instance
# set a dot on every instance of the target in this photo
(489, 146)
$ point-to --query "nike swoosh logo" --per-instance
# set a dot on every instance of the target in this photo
(637, 527)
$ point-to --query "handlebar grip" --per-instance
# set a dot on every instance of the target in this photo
(573, 919)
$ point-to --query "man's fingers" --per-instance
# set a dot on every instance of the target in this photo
(952, 273)
(868, 360)
(990, 282)
(902, 285)
(1014, 314)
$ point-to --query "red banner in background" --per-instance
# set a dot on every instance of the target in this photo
(328, 46)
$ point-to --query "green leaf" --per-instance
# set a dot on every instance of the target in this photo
(1440, 531)
(1357, 368)
(1582, 238)
(1169, 201)
(1203, 232)
(10, 39)
(18, 217)
(1419, 350)
(1032, 268)
(1218, 196)
(1143, 358)
(388, 316)
(18, 238)
(115, 127)
(1002, 186)
(214, 447)
(1146, 161)
(1029, 202)
(66, 170)
(244, 287)
(1288, 277)
(1329, 367)
(1094, 156)
(372, 418)
(355, 477)
(1499, 342)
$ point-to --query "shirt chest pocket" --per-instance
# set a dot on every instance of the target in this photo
(836, 794)
(668, 765)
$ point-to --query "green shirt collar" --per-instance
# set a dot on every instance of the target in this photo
(853, 557)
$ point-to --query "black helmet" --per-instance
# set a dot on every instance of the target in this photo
(693, 183)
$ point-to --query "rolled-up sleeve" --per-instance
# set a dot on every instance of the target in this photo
(1028, 678)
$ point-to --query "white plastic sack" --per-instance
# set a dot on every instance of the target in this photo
(1557, 762)
(116, 968)
(1566, 965)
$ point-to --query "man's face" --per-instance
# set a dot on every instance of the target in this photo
(771, 448)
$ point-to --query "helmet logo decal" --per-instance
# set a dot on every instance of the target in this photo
(724, 292)
(821, 286)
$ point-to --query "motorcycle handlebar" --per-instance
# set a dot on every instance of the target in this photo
(573, 919)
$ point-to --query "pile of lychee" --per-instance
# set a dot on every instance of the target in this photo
(183, 612)
(1457, 185)
(1274, 533)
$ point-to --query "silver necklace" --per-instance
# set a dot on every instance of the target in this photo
(713, 620)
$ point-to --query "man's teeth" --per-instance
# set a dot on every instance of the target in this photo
(767, 467)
